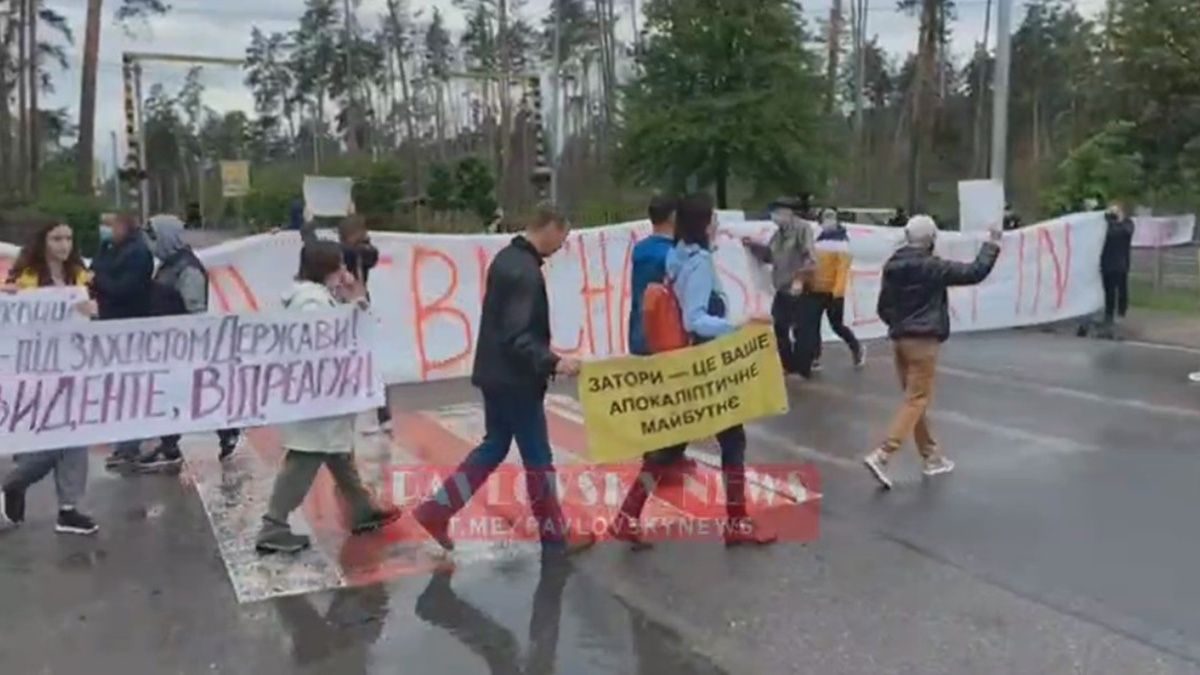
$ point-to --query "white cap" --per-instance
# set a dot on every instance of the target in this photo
(920, 230)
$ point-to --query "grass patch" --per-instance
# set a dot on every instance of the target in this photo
(1143, 295)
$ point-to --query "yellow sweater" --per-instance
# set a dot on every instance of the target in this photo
(833, 267)
(29, 279)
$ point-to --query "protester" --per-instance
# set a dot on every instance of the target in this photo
(360, 257)
(513, 365)
(1114, 264)
(899, 219)
(180, 286)
(50, 260)
(914, 304)
(121, 283)
(790, 254)
(649, 266)
(327, 441)
(1012, 219)
(694, 281)
(826, 295)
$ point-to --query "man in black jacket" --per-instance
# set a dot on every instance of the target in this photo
(121, 283)
(1114, 264)
(914, 304)
(513, 366)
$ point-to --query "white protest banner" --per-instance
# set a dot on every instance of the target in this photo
(42, 305)
(328, 197)
(980, 205)
(68, 384)
(427, 290)
(1163, 231)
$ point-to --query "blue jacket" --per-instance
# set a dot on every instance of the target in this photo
(694, 278)
(121, 275)
(649, 262)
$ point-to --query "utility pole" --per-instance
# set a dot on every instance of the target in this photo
(1000, 90)
(116, 162)
(556, 162)
(859, 10)
(835, 38)
(352, 109)
(87, 98)
(34, 79)
(22, 98)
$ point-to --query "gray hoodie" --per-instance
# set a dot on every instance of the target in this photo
(179, 268)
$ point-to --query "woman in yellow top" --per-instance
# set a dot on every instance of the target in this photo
(50, 259)
(827, 292)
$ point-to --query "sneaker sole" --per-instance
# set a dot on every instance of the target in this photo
(157, 467)
(375, 527)
(938, 472)
(271, 549)
(64, 529)
(879, 475)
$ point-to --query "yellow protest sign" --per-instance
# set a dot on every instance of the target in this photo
(235, 178)
(632, 405)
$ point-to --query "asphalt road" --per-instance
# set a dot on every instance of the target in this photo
(1064, 543)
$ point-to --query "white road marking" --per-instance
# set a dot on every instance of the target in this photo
(1042, 441)
(1090, 397)
(235, 495)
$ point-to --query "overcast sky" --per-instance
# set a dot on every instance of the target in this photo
(222, 28)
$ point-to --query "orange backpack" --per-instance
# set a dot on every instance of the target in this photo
(662, 319)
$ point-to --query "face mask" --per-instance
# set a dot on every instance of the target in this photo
(106, 233)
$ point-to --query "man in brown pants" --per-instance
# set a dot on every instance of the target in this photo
(915, 306)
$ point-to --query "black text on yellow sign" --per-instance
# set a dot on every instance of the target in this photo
(633, 405)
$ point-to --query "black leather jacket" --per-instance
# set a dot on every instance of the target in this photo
(913, 301)
(514, 330)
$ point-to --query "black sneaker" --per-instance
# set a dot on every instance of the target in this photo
(12, 506)
(164, 458)
(119, 460)
(71, 521)
(229, 443)
(284, 541)
(379, 519)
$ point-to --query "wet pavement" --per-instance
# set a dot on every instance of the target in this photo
(1065, 542)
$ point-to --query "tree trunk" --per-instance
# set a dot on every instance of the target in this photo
(22, 98)
(923, 108)
(87, 101)
(6, 135)
(35, 81)
(835, 51)
(721, 171)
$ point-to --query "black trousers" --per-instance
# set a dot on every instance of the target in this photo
(810, 306)
(1116, 294)
(834, 309)
(785, 315)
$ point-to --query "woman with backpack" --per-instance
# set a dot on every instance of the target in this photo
(693, 280)
(50, 260)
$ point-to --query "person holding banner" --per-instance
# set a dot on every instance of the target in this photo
(50, 260)
(915, 305)
(180, 286)
(360, 257)
(121, 283)
(513, 367)
(328, 441)
(695, 284)
(790, 255)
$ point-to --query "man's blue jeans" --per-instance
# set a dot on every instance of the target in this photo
(510, 414)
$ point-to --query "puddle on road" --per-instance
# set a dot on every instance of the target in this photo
(523, 617)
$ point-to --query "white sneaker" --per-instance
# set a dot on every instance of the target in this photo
(369, 428)
(816, 366)
(1194, 377)
(386, 426)
(862, 357)
(937, 465)
(877, 463)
